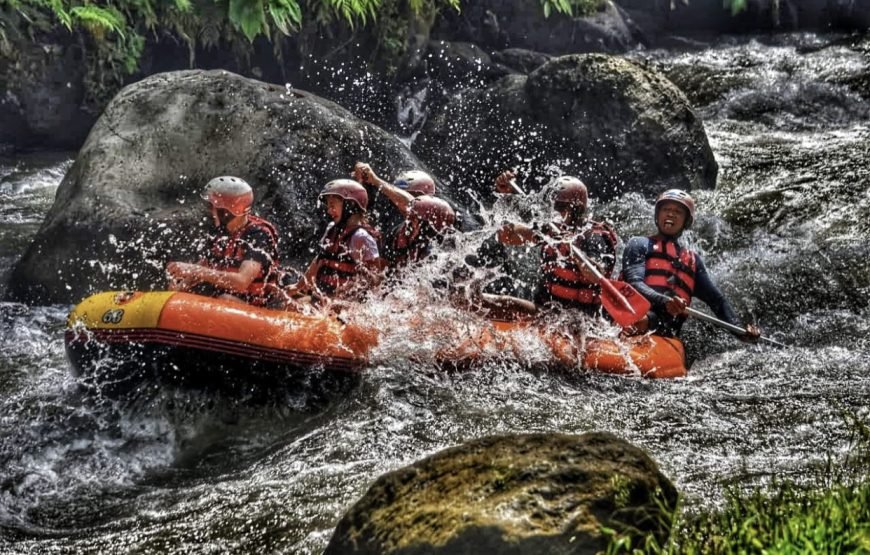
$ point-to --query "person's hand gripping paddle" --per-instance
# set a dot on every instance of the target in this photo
(622, 301)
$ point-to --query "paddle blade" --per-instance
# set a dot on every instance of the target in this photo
(622, 301)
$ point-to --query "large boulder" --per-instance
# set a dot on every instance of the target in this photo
(616, 125)
(131, 202)
(500, 24)
(532, 493)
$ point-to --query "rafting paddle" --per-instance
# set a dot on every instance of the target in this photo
(725, 325)
(622, 301)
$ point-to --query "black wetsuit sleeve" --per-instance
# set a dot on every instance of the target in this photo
(259, 247)
(634, 270)
(706, 291)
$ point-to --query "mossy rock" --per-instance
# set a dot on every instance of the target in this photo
(543, 493)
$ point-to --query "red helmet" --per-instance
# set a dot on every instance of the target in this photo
(437, 212)
(681, 197)
(347, 189)
(572, 191)
(229, 193)
(416, 182)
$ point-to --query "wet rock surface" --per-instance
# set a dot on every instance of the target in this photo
(520, 59)
(615, 125)
(131, 200)
(544, 493)
(42, 96)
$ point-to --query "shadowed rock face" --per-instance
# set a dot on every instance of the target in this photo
(617, 126)
(522, 494)
(131, 200)
(42, 96)
(708, 18)
(500, 24)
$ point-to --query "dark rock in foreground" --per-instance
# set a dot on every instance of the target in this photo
(526, 494)
(131, 200)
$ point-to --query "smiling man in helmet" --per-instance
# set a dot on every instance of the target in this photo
(241, 258)
(565, 281)
(669, 274)
(348, 260)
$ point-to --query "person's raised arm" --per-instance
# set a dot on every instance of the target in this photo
(363, 173)
(505, 183)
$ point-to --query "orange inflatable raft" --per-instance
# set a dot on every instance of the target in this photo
(202, 340)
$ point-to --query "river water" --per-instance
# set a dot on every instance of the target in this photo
(785, 234)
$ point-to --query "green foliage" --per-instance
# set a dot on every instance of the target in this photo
(571, 7)
(114, 31)
(736, 6)
(352, 10)
(787, 518)
(98, 20)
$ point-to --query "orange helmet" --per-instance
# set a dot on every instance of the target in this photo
(347, 189)
(416, 182)
(571, 191)
(437, 212)
(681, 197)
(229, 193)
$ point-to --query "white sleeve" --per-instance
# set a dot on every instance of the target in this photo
(363, 247)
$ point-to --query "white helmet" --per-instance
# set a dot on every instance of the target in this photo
(229, 193)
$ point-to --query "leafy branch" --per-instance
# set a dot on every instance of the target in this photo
(571, 7)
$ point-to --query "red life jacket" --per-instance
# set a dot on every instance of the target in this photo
(337, 266)
(228, 252)
(561, 275)
(405, 250)
(670, 268)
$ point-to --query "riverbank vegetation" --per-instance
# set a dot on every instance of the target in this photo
(112, 33)
(831, 515)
